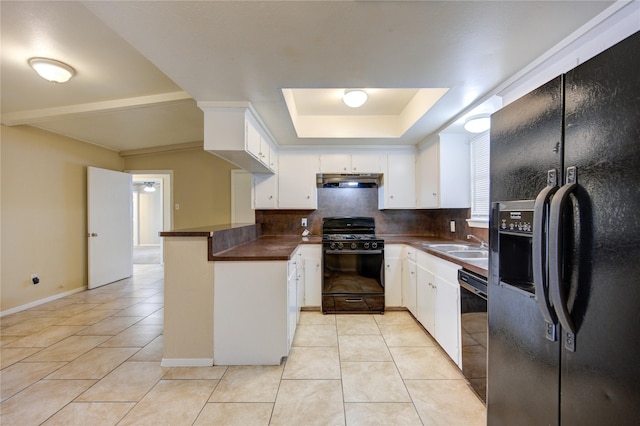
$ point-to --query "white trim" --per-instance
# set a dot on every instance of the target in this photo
(41, 301)
(478, 222)
(186, 362)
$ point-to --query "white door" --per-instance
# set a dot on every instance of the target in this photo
(109, 223)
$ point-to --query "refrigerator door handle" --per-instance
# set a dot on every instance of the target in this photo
(539, 252)
(556, 289)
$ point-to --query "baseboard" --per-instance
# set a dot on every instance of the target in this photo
(186, 362)
(41, 301)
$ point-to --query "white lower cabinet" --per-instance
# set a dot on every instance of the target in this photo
(409, 281)
(438, 303)
(253, 312)
(426, 299)
(312, 272)
(447, 318)
(393, 275)
(292, 298)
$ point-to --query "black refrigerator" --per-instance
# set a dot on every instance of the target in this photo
(564, 285)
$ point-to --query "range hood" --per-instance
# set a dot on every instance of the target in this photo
(348, 180)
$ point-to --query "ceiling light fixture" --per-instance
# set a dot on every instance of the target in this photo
(354, 98)
(52, 70)
(477, 123)
(148, 187)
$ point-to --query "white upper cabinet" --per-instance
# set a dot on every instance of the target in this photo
(335, 163)
(265, 190)
(367, 163)
(234, 133)
(443, 173)
(297, 180)
(351, 163)
(398, 188)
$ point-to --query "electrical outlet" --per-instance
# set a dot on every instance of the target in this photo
(452, 225)
(304, 221)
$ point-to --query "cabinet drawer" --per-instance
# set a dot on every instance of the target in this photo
(352, 304)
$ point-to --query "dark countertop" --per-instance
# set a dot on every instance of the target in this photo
(282, 247)
(265, 248)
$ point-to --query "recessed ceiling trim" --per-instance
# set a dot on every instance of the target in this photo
(328, 119)
(46, 114)
(327, 126)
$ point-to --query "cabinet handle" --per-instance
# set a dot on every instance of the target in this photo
(390, 196)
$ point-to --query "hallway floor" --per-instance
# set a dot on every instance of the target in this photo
(94, 358)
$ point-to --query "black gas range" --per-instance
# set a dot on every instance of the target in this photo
(352, 265)
(350, 233)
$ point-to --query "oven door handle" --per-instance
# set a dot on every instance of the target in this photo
(349, 251)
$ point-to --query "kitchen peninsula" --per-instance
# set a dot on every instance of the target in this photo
(196, 310)
(230, 297)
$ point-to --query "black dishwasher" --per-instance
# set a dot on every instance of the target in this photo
(473, 310)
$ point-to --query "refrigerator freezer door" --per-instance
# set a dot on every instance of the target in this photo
(523, 365)
(600, 381)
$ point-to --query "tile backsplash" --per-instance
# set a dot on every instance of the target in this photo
(364, 202)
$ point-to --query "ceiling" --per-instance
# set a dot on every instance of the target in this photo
(143, 66)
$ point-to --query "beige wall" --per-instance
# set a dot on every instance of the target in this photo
(44, 214)
(201, 184)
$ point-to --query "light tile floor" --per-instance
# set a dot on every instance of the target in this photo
(93, 358)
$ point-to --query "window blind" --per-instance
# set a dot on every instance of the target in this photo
(480, 178)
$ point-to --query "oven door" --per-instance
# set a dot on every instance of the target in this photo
(353, 281)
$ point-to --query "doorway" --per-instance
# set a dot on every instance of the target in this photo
(151, 195)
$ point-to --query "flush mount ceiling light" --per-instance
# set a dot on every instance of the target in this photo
(477, 123)
(354, 98)
(52, 70)
(148, 187)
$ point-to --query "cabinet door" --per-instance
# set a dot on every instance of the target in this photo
(297, 180)
(335, 163)
(393, 281)
(400, 181)
(455, 180)
(409, 286)
(366, 163)
(312, 281)
(265, 151)
(428, 177)
(252, 139)
(447, 318)
(300, 283)
(265, 191)
(426, 299)
(292, 311)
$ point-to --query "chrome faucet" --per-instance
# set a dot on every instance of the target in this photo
(482, 243)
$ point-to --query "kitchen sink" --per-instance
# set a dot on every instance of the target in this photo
(469, 254)
(448, 247)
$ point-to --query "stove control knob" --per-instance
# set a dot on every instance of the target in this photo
(366, 245)
(353, 246)
(332, 246)
(340, 245)
(374, 245)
